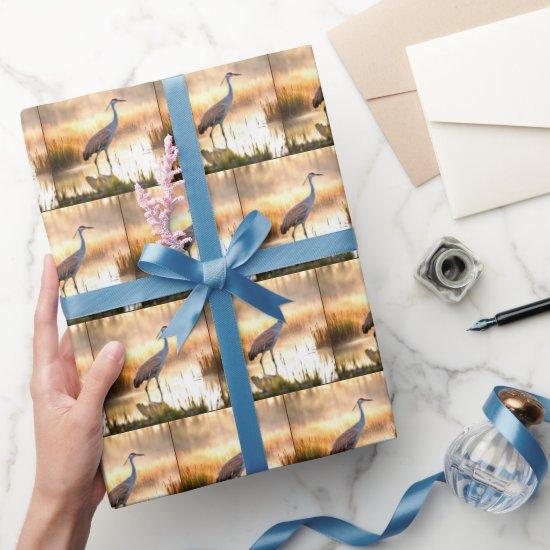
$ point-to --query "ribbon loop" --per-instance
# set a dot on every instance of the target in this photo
(167, 263)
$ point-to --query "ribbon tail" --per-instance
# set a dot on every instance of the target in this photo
(256, 295)
(344, 532)
(187, 315)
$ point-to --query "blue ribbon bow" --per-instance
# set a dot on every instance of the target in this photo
(219, 275)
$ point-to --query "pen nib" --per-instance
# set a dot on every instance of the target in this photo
(483, 324)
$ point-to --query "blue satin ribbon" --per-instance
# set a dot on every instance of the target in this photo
(412, 501)
(217, 275)
(153, 288)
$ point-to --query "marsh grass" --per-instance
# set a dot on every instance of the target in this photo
(286, 458)
(123, 383)
(322, 338)
(70, 195)
(173, 487)
(125, 263)
(279, 451)
(156, 135)
(356, 369)
(310, 449)
(210, 363)
(193, 477)
(224, 159)
(122, 423)
(292, 101)
(163, 413)
(64, 154)
(280, 385)
(301, 144)
(342, 329)
(40, 163)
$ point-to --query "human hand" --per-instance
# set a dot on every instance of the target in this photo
(68, 422)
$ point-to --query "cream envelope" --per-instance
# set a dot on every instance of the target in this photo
(486, 98)
(372, 47)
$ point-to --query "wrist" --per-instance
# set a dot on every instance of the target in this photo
(56, 523)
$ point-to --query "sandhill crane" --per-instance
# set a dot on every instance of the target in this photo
(118, 497)
(318, 98)
(216, 114)
(264, 342)
(299, 213)
(348, 440)
(101, 140)
(368, 323)
(152, 367)
(68, 268)
(233, 468)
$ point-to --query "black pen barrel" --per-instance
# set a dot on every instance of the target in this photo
(523, 311)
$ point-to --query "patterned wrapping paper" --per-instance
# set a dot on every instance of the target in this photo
(306, 375)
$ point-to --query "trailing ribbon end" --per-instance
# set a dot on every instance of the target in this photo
(187, 315)
(218, 275)
(412, 501)
(344, 532)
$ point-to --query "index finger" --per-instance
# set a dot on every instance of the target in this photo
(45, 340)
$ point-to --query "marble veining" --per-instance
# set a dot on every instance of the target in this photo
(438, 373)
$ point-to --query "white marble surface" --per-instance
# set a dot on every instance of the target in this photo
(439, 374)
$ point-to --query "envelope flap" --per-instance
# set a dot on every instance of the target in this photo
(496, 74)
(372, 44)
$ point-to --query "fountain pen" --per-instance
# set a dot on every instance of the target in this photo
(512, 315)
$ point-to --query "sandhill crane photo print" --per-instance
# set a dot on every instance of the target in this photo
(290, 356)
(156, 383)
(97, 145)
(109, 182)
(349, 317)
(229, 106)
(302, 195)
(301, 100)
(338, 417)
(140, 465)
(89, 245)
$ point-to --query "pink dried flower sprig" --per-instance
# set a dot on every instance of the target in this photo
(158, 211)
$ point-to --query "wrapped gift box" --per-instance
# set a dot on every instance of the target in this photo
(306, 374)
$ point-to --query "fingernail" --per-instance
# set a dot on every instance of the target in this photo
(115, 350)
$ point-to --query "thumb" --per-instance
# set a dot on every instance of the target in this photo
(101, 377)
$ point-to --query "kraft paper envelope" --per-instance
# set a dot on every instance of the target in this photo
(486, 97)
(372, 47)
